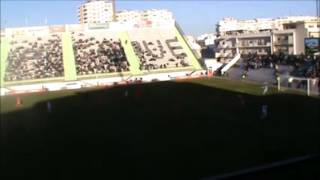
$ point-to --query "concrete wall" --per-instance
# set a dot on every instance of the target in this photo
(300, 34)
(56, 86)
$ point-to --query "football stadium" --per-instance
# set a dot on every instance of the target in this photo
(133, 100)
(115, 55)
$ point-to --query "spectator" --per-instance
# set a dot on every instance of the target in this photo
(35, 58)
(94, 56)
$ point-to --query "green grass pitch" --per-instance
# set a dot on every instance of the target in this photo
(174, 130)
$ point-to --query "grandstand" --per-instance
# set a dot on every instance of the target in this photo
(158, 49)
(174, 130)
(98, 52)
(75, 53)
(33, 57)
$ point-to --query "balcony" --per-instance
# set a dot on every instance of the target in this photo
(254, 44)
(226, 46)
(283, 43)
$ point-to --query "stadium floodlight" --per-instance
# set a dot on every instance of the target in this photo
(114, 10)
(26, 21)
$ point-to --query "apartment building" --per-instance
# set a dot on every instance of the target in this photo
(96, 12)
(232, 26)
(207, 39)
(264, 36)
(154, 15)
(196, 48)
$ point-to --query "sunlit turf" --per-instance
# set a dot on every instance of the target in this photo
(176, 130)
(8, 103)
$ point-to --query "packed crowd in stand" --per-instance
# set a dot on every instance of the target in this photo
(97, 54)
(154, 56)
(254, 61)
(304, 66)
(33, 57)
(158, 48)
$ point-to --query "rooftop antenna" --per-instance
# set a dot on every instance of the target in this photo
(317, 8)
(4, 23)
(26, 21)
(318, 13)
(114, 10)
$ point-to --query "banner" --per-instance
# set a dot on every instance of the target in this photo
(312, 45)
(18, 32)
(3, 33)
(146, 23)
(99, 26)
(38, 29)
(75, 27)
(57, 29)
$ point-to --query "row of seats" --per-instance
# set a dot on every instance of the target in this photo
(96, 53)
(157, 49)
(35, 58)
(32, 57)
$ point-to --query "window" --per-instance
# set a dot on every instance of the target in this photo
(310, 26)
(290, 26)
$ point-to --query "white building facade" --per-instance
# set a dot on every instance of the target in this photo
(208, 39)
(265, 36)
(154, 15)
(232, 26)
(194, 45)
(102, 11)
(96, 12)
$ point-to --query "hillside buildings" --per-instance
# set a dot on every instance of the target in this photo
(263, 36)
(103, 11)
